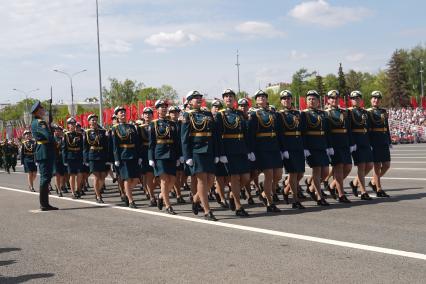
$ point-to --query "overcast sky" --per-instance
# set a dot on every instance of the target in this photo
(192, 44)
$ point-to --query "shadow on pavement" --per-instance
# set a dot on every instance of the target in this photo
(24, 278)
(3, 250)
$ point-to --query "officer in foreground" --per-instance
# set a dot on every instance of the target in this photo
(44, 154)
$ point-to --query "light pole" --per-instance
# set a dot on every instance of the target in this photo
(238, 72)
(70, 76)
(99, 67)
(421, 77)
(27, 116)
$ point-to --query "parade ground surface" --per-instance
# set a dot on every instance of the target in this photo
(378, 241)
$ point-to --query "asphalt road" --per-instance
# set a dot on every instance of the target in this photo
(379, 241)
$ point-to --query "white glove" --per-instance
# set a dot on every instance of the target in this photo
(66, 164)
(139, 161)
(177, 163)
(216, 160)
(251, 157)
(307, 153)
(36, 164)
(330, 151)
(223, 159)
(86, 164)
(117, 163)
(181, 160)
(151, 163)
(108, 163)
(189, 162)
(352, 148)
(285, 155)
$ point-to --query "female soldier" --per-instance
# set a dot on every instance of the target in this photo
(265, 147)
(147, 171)
(58, 166)
(363, 157)
(233, 149)
(221, 172)
(380, 141)
(163, 153)
(342, 143)
(72, 154)
(294, 159)
(317, 145)
(127, 157)
(27, 158)
(96, 153)
(179, 182)
(200, 151)
(84, 169)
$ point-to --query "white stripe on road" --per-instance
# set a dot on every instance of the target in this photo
(247, 228)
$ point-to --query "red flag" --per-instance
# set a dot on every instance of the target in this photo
(203, 103)
(361, 103)
(302, 103)
(342, 103)
(250, 103)
(414, 102)
(134, 115)
(140, 108)
(155, 115)
(148, 103)
(423, 102)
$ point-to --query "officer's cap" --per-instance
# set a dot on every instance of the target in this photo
(174, 109)
(192, 94)
(92, 116)
(26, 132)
(147, 110)
(355, 94)
(119, 108)
(159, 103)
(228, 92)
(71, 120)
(312, 93)
(217, 103)
(333, 94)
(35, 106)
(243, 102)
(260, 93)
(285, 94)
(376, 94)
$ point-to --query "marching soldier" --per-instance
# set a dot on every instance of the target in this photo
(147, 171)
(221, 172)
(233, 149)
(317, 145)
(163, 153)
(27, 158)
(95, 155)
(294, 159)
(15, 151)
(380, 140)
(174, 112)
(342, 143)
(7, 154)
(200, 151)
(362, 156)
(126, 154)
(44, 154)
(58, 166)
(72, 155)
(84, 171)
(265, 147)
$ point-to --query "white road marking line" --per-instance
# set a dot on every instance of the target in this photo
(248, 228)
(403, 162)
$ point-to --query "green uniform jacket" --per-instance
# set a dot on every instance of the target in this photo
(44, 139)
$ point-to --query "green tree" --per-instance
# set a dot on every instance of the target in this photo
(397, 74)
(320, 85)
(342, 88)
(331, 82)
(354, 80)
(120, 93)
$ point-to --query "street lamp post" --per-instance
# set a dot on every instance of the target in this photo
(70, 76)
(27, 116)
(421, 77)
(101, 118)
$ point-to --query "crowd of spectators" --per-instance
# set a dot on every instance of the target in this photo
(407, 125)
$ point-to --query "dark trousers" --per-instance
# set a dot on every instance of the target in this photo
(46, 170)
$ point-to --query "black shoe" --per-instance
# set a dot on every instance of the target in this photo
(325, 184)
(344, 199)
(173, 194)
(332, 192)
(373, 186)
(64, 190)
(382, 193)
(217, 196)
(126, 201)
(322, 202)
(180, 200)
(200, 208)
(194, 208)
(224, 204)
(99, 200)
(285, 196)
(272, 208)
(263, 199)
(300, 193)
(365, 196)
(241, 212)
(297, 205)
(250, 201)
(170, 211)
(232, 203)
(210, 196)
(32, 189)
(82, 192)
(160, 203)
(132, 205)
(354, 188)
(323, 193)
(312, 195)
(307, 183)
(275, 198)
(114, 180)
(48, 208)
(60, 194)
(148, 197)
(210, 216)
(153, 203)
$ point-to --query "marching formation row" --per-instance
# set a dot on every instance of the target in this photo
(227, 144)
